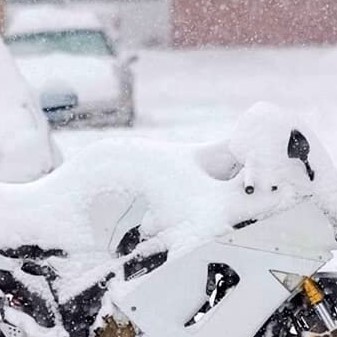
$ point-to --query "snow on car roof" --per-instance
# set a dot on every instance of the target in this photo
(51, 18)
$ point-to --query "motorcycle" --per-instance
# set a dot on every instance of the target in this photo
(263, 279)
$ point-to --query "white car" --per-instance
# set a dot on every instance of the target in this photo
(27, 151)
(66, 56)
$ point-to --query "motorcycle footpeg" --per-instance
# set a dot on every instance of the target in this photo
(9, 330)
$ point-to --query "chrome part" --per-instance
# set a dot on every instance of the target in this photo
(324, 314)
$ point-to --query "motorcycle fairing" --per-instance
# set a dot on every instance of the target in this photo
(173, 293)
(302, 231)
(170, 295)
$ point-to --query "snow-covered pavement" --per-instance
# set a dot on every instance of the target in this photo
(196, 96)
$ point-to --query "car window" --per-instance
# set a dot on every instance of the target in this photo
(81, 42)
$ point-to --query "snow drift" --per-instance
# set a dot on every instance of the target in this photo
(192, 192)
(26, 148)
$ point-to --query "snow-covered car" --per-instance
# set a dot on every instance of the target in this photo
(69, 60)
(27, 150)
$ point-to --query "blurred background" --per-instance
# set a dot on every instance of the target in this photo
(139, 23)
(200, 64)
(195, 23)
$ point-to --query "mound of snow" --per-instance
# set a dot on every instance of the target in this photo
(260, 143)
(193, 192)
(26, 149)
(190, 194)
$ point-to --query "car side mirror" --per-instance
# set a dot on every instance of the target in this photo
(299, 148)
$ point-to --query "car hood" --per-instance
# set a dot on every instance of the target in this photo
(93, 79)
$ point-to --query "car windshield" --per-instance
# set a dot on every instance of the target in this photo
(82, 42)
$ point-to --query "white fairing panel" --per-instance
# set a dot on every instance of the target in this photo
(302, 231)
(173, 294)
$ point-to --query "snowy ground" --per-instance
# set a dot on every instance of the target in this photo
(196, 96)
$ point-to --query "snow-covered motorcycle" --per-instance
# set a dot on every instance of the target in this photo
(263, 279)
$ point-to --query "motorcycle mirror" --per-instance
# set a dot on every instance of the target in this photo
(299, 148)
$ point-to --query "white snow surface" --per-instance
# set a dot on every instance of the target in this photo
(197, 97)
(26, 149)
(189, 201)
(186, 185)
(189, 198)
(260, 143)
